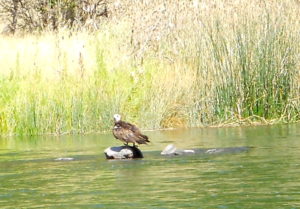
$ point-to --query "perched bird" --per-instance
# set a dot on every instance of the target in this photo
(127, 132)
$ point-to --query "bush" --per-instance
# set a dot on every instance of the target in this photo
(36, 15)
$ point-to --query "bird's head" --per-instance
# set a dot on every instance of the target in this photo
(117, 117)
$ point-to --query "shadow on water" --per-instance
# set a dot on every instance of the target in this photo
(72, 172)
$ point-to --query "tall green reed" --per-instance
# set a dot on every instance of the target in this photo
(253, 70)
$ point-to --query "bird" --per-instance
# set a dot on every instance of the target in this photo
(128, 132)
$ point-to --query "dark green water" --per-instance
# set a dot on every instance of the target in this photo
(267, 176)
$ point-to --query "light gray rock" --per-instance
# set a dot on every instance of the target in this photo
(172, 150)
(123, 152)
(64, 159)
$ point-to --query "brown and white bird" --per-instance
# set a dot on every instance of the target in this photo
(128, 132)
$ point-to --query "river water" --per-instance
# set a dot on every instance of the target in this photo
(266, 176)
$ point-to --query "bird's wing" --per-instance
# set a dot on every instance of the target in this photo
(129, 136)
(131, 127)
(125, 134)
(130, 133)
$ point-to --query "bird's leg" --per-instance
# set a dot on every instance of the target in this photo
(126, 144)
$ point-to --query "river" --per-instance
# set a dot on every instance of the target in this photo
(266, 176)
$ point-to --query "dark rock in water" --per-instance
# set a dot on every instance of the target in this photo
(123, 152)
(172, 150)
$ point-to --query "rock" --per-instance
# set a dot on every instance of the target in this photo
(64, 159)
(123, 152)
(172, 150)
(129, 152)
(211, 151)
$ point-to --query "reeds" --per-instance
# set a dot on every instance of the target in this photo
(160, 65)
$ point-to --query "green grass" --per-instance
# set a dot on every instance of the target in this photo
(221, 66)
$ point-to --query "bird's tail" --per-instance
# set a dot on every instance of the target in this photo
(145, 137)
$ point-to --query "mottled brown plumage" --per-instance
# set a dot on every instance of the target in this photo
(127, 132)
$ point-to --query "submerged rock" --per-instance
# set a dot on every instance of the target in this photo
(64, 159)
(129, 152)
(123, 152)
(172, 150)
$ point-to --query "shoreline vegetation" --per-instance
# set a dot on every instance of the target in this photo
(158, 64)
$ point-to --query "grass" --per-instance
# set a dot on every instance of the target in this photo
(178, 64)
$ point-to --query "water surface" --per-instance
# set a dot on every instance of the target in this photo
(267, 176)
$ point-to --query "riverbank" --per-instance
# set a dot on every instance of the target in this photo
(183, 64)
